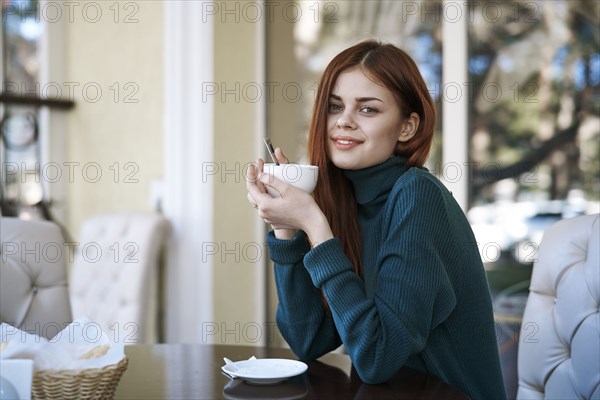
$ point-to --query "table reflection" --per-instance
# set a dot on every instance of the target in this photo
(295, 388)
(174, 371)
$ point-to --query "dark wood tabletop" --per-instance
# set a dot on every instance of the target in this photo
(193, 371)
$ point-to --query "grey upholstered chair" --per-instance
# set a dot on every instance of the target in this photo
(33, 277)
(559, 348)
(114, 278)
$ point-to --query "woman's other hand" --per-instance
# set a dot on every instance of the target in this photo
(257, 189)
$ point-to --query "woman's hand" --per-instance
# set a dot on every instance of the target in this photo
(253, 173)
(293, 210)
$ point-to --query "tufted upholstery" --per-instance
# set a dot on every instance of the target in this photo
(559, 349)
(33, 276)
(114, 276)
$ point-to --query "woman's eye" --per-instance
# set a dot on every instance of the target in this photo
(334, 107)
(368, 110)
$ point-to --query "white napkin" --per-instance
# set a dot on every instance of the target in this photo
(230, 369)
(80, 345)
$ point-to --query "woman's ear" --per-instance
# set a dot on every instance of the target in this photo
(409, 127)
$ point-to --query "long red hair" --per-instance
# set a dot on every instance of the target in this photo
(392, 68)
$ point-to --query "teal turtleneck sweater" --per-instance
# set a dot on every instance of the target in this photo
(423, 300)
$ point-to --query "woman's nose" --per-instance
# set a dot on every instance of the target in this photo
(345, 121)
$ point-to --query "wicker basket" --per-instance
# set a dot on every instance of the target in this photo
(93, 383)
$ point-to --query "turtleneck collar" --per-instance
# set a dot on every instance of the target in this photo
(375, 183)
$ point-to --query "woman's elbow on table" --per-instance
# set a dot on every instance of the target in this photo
(307, 352)
(372, 376)
(303, 353)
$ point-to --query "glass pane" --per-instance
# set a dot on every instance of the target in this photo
(323, 29)
(534, 71)
(21, 32)
(21, 190)
(534, 68)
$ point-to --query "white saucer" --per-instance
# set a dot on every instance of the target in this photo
(265, 371)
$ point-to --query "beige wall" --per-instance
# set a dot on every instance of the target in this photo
(111, 132)
(283, 117)
(239, 266)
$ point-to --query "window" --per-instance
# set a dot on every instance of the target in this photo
(25, 101)
(21, 189)
(534, 121)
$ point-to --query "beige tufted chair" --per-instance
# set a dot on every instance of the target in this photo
(114, 279)
(559, 349)
(33, 276)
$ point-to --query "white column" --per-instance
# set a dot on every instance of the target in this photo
(455, 171)
(52, 123)
(188, 201)
(260, 130)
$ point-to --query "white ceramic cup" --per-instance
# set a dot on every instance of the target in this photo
(302, 176)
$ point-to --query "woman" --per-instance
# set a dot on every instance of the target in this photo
(380, 258)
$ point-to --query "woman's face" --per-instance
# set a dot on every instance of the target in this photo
(364, 122)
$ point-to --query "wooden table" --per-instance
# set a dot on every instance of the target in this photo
(193, 371)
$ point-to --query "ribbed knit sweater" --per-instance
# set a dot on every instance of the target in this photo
(423, 300)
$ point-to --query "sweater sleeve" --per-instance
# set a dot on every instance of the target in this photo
(413, 293)
(302, 319)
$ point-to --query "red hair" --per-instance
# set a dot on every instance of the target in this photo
(392, 68)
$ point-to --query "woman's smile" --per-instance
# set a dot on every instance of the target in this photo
(346, 142)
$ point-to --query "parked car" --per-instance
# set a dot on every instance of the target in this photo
(512, 231)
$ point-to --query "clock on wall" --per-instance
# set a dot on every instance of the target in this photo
(19, 131)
